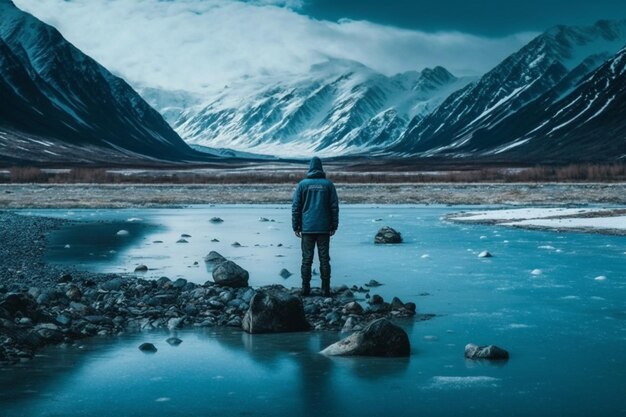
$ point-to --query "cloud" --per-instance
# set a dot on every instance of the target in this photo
(203, 44)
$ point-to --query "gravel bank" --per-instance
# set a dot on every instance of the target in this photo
(43, 304)
(119, 196)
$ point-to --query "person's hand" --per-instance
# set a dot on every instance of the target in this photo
(332, 232)
(298, 233)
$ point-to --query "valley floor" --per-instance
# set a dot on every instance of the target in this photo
(167, 195)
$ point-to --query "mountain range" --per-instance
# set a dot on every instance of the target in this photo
(560, 98)
(59, 105)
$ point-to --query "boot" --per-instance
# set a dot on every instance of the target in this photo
(306, 288)
(326, 288)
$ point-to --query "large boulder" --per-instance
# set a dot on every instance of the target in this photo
(379, 338)
(18, 304)
(229, 274)
(274, 310)
(388, 235)
(491, 352)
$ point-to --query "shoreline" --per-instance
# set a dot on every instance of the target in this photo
(20, 196)
(44, 304)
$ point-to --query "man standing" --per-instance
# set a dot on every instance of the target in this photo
(315, 217)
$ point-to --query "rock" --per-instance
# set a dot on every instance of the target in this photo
(214, 240)
(230, 274)
(182, 241)
(214, 257)
(122, 233)
(411, 307)
(63, 319)
(147, 348)
(376, 299)
(112, 285)
(164, 282)
(185, 235)
(264, 219)
(485, 254)
(235, 245)
(274, 309)
(65, 278)
(285, 273)
(373, 283)
(379, 338)
(173, 341)
(216, 220)
(74, 293)
(388, 235)
(490, 352)
(353, 308)
(49, 332)
(22, 304)
(180, 283)
(396, 304)
(141, 268)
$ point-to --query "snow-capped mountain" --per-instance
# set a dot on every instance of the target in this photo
(491, 115)
(339, 107)
(60, 105)
(588, 122)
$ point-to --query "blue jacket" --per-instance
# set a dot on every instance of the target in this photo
(315, 207)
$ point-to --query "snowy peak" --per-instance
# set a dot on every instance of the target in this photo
(338, 107)
(54, 90)
(546, 69)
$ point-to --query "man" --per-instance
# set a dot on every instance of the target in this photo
(315, 217)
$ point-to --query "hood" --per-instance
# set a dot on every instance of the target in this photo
(315, 169)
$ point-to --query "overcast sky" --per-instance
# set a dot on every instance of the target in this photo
(198, 44)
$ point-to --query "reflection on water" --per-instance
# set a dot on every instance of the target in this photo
(565, 330)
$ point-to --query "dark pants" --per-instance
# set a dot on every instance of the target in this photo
(309, 240)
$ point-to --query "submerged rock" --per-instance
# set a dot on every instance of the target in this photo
(485, 254)
(141, 268)
(373, 283)
(230, 274)
(174, 341)
(147, 347)
(285, 273)
(273, 310)
(491, 352)
(216, 220)
(122, 233)
(379, 338)
(388, 235)
(182, 241)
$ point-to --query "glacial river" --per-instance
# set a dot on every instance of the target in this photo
(556, 301)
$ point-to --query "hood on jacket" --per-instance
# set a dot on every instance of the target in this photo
(315, 169)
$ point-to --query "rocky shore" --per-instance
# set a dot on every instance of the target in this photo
(42, 304)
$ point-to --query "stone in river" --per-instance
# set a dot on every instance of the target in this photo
(388, 235)
(373, 283)
(147, 347)
(122, 233)
(182, 241)
(285, 273)
(235, 245)
(378, 338)
(174, 341)
(216, 220)
(273, 310)
(490, 352)
(185, 235)
(485, 254)
(141, 268)
(230, 274)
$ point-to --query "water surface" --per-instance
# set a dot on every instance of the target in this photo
(565, 329)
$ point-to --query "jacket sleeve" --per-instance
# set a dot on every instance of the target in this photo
(334, 209)
(296, 210)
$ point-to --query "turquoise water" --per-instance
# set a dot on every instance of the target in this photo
(565, 330)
